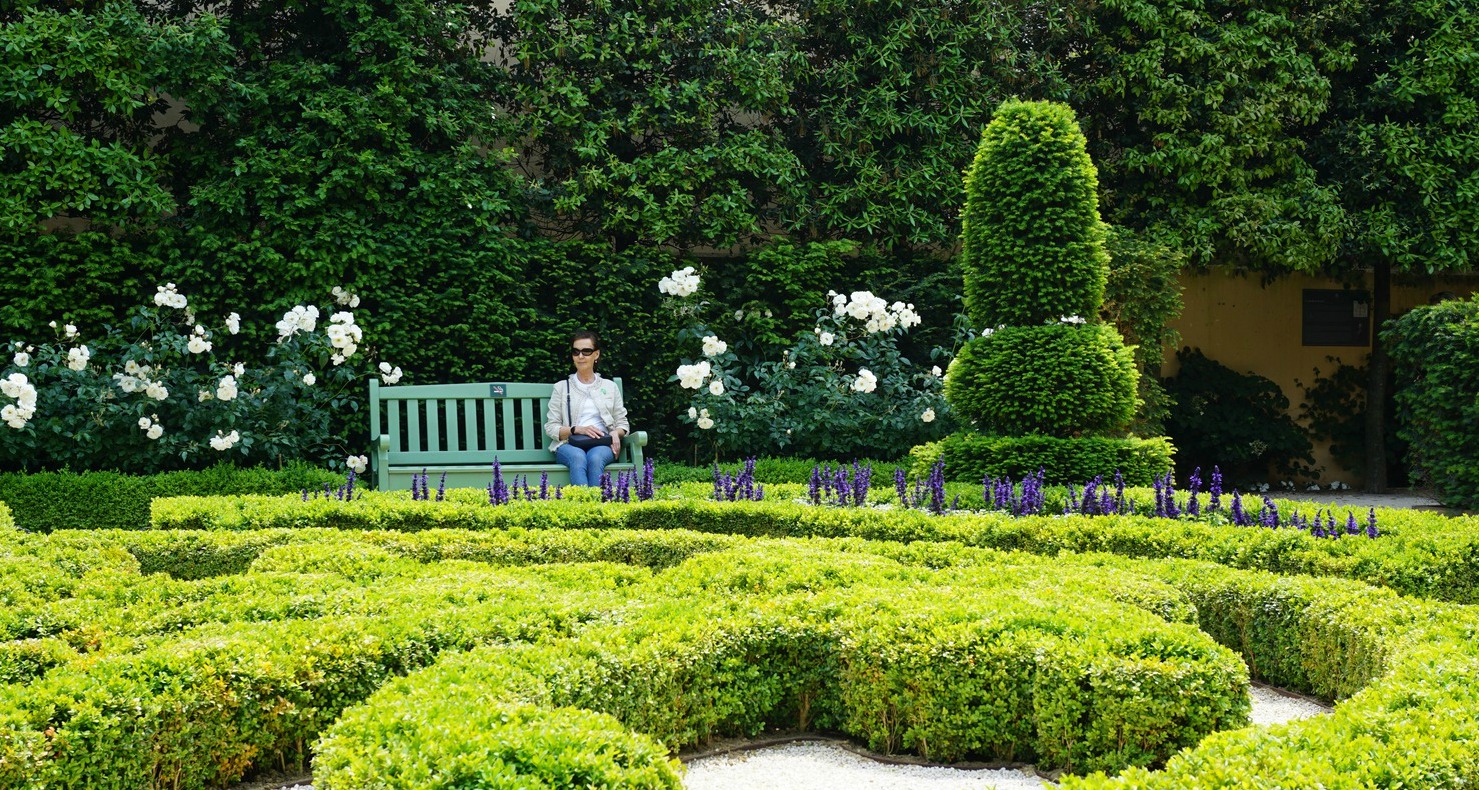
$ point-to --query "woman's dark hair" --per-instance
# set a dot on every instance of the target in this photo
(586, 334)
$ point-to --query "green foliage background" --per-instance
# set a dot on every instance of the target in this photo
(489, 179)
(1436, 351)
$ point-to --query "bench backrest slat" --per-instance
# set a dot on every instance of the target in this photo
(413, 424)
(433, 425)
(508, 426)
(469, 425)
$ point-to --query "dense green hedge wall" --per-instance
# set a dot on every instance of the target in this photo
(1435, 350)
(971, 457)
(48, 501)
(1422, 554)
(457, 188)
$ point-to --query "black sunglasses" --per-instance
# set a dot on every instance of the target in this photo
(582, 352)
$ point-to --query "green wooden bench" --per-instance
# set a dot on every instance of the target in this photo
(460, 428)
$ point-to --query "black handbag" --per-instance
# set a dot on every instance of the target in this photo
(579, 440)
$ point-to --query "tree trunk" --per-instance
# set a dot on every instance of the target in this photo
(1376, 387)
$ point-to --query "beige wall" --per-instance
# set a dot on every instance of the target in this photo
(1248, 326)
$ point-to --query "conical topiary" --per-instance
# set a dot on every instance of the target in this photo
(1032, 243)
(1035, 264)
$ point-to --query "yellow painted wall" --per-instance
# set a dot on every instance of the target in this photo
(1247, 326)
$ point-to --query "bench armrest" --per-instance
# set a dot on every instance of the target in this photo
(382, 462)
(635, 442)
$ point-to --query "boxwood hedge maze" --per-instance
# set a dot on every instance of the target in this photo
(400, 643)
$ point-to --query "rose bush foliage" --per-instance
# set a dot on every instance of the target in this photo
(167, 390)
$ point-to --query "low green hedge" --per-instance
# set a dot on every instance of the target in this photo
(786, 635)
(124, 679)
(768, 470)
(7, 521)
(50, 501)
(1422, 554)
(970, 457)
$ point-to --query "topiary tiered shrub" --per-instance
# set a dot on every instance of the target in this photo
(1035, 262)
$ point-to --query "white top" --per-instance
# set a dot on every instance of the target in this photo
(589, 414)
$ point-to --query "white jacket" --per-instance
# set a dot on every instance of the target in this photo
(608, 403)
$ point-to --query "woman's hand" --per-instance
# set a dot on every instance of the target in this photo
(615, 443)
(586, 430)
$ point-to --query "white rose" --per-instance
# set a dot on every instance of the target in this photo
(239, 369)
(384, 367)
(865, 382)
(936, 372)
(692, 413)
(713, 346)
(705, 423)
(233, 323)
(391, 377)
(199, 330)
(310, 379)
(77, 358)
(202, 396)
(337, 359)
(198, 345)
(22, 359)
(155, 431)
(358, 463)
(226, 388)
(156, 391)
(144, 423)
(825, 338)
(716, 387)
(71, 331)
(928, 416)
(693, 376)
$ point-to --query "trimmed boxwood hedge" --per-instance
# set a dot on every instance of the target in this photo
(236, 679)
(833, 641)
(1423, 554)
(49, 501)
(152, 681)
(970, 457)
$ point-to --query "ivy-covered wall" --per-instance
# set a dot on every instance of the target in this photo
(491, 175)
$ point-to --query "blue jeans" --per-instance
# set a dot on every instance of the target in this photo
(585, 466)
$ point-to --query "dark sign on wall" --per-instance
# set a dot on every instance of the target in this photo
(1336, 317)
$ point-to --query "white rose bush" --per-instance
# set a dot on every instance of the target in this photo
(169, 389)
(841, 390)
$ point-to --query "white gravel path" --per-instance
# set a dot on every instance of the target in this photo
(821, 765)
(813, 765)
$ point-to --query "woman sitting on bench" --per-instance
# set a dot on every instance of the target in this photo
(586, 418)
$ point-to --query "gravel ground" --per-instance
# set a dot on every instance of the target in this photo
(821, 765)
(825, 765)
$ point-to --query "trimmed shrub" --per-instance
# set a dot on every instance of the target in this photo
(7, 521)
(769, 470)
(1435, 354)
(807, 636)
(1032, 243)
(49, 501)
(970, 457)
(1418, 553)
(1237, 421)
(1054, 380)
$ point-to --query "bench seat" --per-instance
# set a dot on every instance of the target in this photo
(460, 428)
